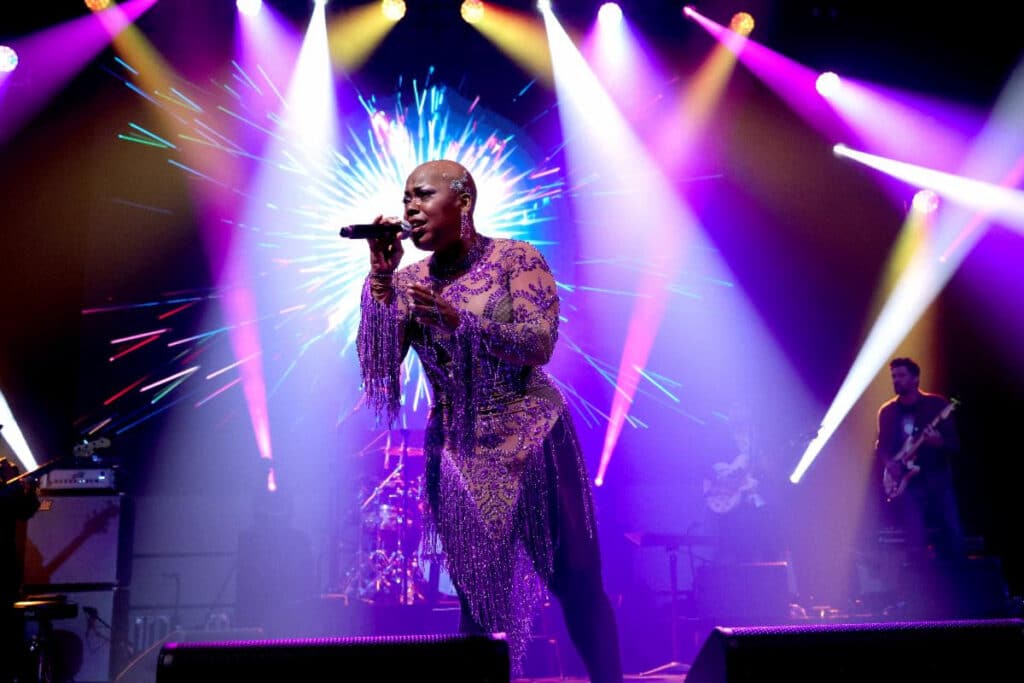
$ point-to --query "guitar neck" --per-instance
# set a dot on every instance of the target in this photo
(915, 442)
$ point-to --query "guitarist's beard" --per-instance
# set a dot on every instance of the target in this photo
(907, 392)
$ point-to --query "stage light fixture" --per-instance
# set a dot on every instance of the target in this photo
(249, 8)
(926, 201)
(97, 5)
(8, 59)
(472, 11)
(827, 84)
(610, 14)
(742, 23)
(688, 11)
(544, 5)
(393, 9)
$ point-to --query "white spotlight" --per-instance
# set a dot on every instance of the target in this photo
(472, 11)
(8, 59)
(393, 10)
(544, 5)
(827, 84)
(249, 8)
(610, 14)
(926, 201)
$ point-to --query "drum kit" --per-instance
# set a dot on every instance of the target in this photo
(392, 563)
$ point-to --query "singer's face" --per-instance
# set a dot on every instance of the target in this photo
(432, 208)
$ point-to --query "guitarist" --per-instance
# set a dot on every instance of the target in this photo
(927, 509)
(738, 486)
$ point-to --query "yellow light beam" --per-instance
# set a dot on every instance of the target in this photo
(521, 37)
(354, 34)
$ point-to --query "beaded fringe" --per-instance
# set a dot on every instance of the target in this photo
(379, 346)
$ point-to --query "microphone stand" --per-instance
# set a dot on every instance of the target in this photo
(404, 518)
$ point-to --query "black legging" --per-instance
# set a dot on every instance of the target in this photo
(577, 580)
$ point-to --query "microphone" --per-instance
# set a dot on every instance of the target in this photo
(373, 231)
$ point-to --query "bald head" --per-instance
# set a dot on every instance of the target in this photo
(454, 175)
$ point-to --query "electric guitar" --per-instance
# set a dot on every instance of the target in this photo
(732, 481)
(901, 468)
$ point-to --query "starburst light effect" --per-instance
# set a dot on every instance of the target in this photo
(308, 280)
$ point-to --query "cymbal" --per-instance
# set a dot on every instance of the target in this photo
(399, 450)
(646, 539)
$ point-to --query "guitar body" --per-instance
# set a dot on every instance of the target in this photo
(895, 484)
(727, 489)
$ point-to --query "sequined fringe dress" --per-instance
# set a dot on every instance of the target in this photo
(499, 440)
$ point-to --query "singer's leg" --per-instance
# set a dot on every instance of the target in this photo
(577, 581)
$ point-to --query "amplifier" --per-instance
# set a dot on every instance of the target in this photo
(99, 479)
(79, 539)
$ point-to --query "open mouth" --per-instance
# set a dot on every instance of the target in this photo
(418, 229)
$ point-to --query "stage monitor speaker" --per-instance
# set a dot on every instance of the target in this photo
(398, 659)
(853, 653)
(142, 667)
(78, 540)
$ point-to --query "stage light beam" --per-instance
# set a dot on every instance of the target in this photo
(15, 440)
(1003, 204)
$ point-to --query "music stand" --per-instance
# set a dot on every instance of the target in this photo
(671, 543)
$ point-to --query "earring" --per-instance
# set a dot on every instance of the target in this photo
(465, 229)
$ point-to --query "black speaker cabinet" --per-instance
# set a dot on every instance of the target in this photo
(398, 659)
(78, 540)
(990, 650)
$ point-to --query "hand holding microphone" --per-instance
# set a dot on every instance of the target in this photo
(384, 237)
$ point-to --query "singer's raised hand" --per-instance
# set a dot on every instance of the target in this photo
(429, 308)
(385, 252)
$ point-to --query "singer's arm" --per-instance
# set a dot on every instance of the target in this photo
(529, 339)
(381, 342)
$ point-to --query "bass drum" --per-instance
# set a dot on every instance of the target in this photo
(431, 561)
(434, 570)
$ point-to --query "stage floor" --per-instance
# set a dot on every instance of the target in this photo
(673, 678)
